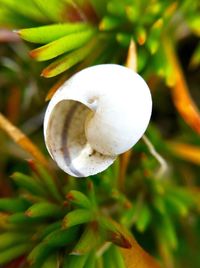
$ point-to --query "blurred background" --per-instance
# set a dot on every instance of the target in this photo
(162, 189)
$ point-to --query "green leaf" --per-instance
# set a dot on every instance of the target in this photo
(133, 12)
(62, 45)
(116, 8)
(142, 59)
(14, 20)
(143, 218)
(153, 40)
(66, 261)
(54, 240)
(49, 229)
(28, 183)
(53, 9)
(99, 6)
(12, 253)
(141, 35)
(87, 241)
(60, 238)
(77, 261)
(67, 61)
(117, 258)
(44, 210)
(14, 204)
(195, 60)
(109, 23)
(51, 262)
(166, 231)
(26, 8)
(49, 33)
(90, 262)
(114, 232)
(76, 217)
(106, 56)
(113, 258)
(108, 260)
(159, 204)
(194, 23)
(91, 193)
(79, 199)
(123, 39)
(38, 255)
(185, 197)
(9, 239)
(48, 181)
(21, 218)
(128, 216)
(175, 205)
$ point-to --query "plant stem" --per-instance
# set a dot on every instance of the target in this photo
(163, 164)
(22, 140)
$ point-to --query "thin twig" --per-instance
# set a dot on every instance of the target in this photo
(79, 10)
(185, 151)
(181, 96)
(123, 161)
(163, 164)
(131, 61)
(22, 140)
(103, 248)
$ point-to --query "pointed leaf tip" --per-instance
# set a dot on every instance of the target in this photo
(61, 45)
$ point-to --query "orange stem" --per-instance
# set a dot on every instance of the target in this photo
(22, 140)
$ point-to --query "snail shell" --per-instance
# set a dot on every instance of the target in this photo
(99, 113)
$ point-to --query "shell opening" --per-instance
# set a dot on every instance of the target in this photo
(67, 143)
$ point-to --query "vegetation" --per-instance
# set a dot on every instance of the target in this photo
(151, 193)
